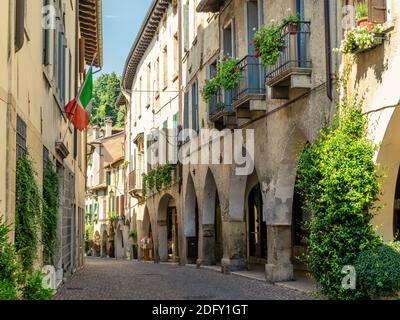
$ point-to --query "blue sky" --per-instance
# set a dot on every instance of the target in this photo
(122, 20)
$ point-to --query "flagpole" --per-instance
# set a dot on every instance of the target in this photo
(76, 100)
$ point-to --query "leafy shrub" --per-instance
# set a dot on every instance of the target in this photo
(339, 182)
(28, 212)
(33, 290)
(378, 271)
(8, 290)
(50, 212)
(10, 268)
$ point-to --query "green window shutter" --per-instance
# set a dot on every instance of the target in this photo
(165, 124)
(175, 121)
(108, 178)
(19, 24)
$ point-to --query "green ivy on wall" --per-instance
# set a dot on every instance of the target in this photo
(28, 212)
(157, 180)
(50, 213)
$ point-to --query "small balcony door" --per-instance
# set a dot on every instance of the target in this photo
(229, 44)
(301, 39)
(255, 71)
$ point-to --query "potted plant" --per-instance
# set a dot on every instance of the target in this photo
(362, 16)
(269, 43)
(361, 39)
(227, 78)
(210, 89)
(228, 75)
(292, 21)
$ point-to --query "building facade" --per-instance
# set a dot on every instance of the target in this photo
(45, 47)
(252, 221)
(105, 200)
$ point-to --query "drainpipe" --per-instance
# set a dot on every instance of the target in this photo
(328, 48)
(180, 99)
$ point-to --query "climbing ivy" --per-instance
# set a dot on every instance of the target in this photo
(28, 212)
(50, 212)
(157, 180)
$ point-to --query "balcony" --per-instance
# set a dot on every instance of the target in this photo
(250, 92)
(293, 69)
(210, 5)
(135, 184)
(221, 111)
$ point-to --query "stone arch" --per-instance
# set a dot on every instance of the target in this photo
(167, 228)
(286, 179)
(191, 222)
(280, 211)
(388, 158)
(211, 222)
(256, 227)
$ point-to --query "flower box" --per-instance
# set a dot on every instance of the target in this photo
(379, 38)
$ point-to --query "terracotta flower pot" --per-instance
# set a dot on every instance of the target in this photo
(364, 23)
(293, 28)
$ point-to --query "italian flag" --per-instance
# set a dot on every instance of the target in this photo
(78, 110)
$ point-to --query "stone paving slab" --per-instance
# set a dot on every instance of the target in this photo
(108, 279)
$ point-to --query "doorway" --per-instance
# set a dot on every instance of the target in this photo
(257, 228)
(218, 231)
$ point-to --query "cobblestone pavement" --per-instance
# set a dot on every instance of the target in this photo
(106, 279)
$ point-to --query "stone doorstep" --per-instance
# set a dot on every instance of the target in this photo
(170, 263)
(253, 275)
(212, 268)
(302, 286)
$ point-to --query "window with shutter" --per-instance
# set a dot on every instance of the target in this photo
(377, 11)
(21, 138)
(186, 111)
(46, 39)
(186, 26)
(19, 24)
(195, 111)
(108, 178)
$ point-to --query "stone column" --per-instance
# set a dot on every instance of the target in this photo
(140, 253)
(234, 244)
(162, 237)
(208, 244)
(279, 267)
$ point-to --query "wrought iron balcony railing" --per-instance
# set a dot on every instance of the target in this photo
(251, 85)
(220, 104)
(295, 51)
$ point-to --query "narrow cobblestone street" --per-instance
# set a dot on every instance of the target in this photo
(103, 279)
